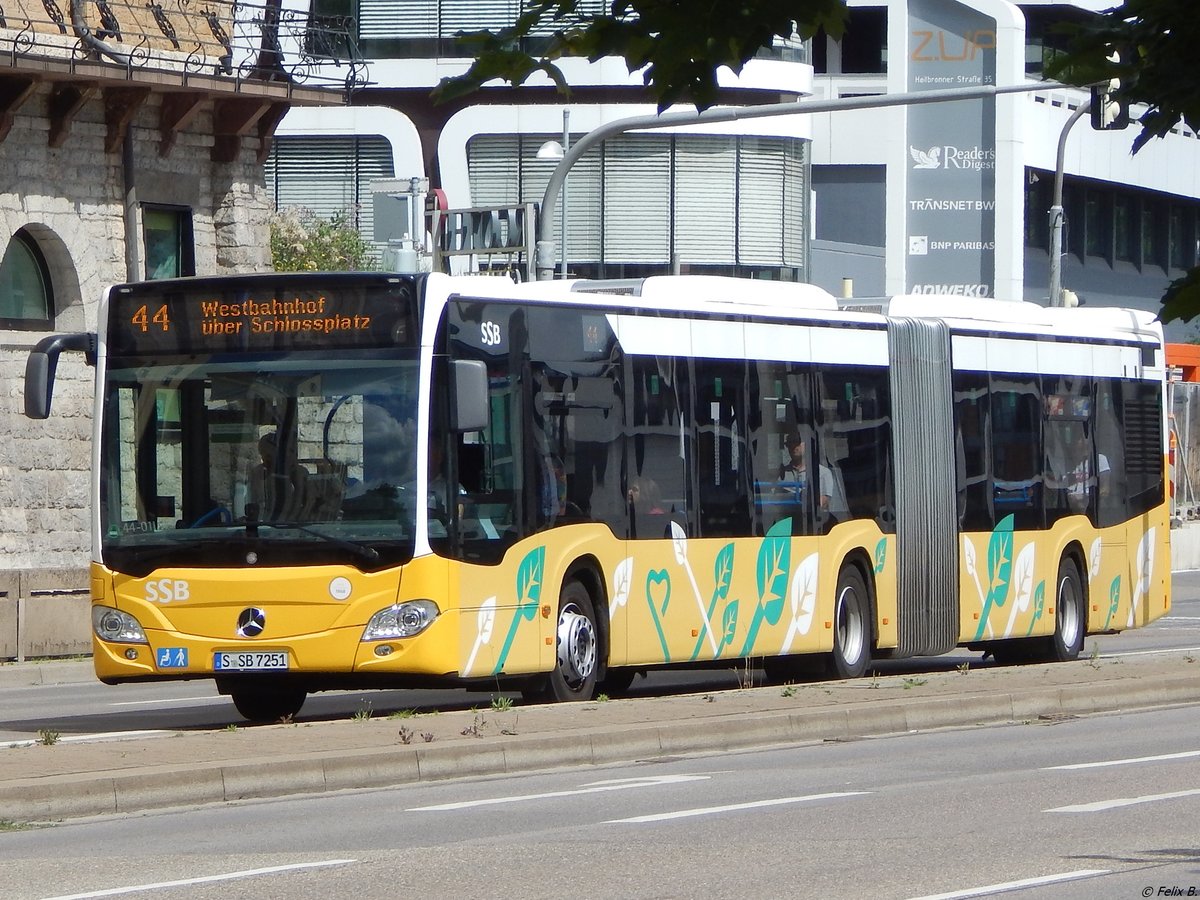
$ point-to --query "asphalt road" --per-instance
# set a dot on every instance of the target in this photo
(1102, 806)
(89, 708)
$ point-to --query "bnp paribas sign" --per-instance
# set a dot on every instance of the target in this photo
(955, 207)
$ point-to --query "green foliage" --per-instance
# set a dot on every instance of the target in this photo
(1154, 41)
(679, 44)
(303, 242)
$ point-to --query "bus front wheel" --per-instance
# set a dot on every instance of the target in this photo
(577, 645)
(267, 704)
(851, 626)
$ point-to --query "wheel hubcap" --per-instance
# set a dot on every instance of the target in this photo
(849, 626)
(1068, 612)
(576, 646)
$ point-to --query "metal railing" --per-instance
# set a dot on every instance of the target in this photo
(273, 41)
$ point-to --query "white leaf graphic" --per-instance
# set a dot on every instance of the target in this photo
(969, 562)
(485, 623)
(679, 543)
(1094, 561)
(1145, 569)
(804, 600)
(622, 579)
(1022, 581)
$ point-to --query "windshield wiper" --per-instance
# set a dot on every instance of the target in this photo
(368, 553)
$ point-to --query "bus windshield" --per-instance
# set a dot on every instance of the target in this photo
(301, 458)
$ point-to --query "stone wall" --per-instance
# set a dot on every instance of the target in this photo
(71, 201)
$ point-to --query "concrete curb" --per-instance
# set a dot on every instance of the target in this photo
(24, 674)
(58, 797)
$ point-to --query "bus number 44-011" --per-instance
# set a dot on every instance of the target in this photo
(143, 319)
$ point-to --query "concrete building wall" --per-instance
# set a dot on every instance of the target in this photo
(71, 201)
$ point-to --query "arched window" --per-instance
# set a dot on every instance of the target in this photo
(26, 299)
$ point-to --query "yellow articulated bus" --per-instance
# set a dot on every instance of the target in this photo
(321, 481)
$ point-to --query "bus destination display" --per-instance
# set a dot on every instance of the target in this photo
(143, 322)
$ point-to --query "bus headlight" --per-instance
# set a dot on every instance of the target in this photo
(401, 620)
(113, 625)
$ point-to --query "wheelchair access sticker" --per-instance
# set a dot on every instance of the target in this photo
(172, 658)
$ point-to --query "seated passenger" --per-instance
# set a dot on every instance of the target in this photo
(794, 475)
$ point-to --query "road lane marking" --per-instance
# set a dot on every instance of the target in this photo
(171, 700)
(595, 787)
(1006, 886)
(1102, 805)
(85, 738)
(1188, 754)
(734, 807)
(204, 879)
(1152, 652)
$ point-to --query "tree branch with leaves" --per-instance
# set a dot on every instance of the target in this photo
(1153, 42)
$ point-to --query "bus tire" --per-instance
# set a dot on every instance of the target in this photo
(851, 626)
(1066, 642)
(577, 645)
(267, 704)
(616, 682)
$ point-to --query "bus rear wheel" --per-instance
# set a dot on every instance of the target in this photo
(851, 626)
(616, 682)
(1066, 642)
(267, 704)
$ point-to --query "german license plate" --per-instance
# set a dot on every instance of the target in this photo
(251, 661)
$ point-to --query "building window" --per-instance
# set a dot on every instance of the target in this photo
(167, 235)
(339, 186)
(717, 205)
(1183, 237)
(1147, 229)
(1097, 224)
(1154, 233)
(862, 49)
(26, 299)
(1125, 227)
(1039, 195)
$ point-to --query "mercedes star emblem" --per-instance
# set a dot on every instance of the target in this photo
(251, 622)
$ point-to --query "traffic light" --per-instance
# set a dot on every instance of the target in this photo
(1109, 113)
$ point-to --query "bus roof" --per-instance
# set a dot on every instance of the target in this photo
(1010, 315)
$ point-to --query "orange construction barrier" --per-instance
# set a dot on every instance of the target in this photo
(1185, 358)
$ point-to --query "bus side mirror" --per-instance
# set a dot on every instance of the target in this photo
(42, 364)
(469, 395)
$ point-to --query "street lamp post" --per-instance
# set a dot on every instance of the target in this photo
(1056, 208)
(553, 150)
(545, 226)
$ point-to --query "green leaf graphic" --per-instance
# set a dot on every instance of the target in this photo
(1114, 599)
(722, 578)
(529, 593)
(999, 570)
(880, 555)
(774, 564)
(529, 580)
(1039, 605)
(729, 623)
(723, 573)
(659, 576)
(656, 577)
